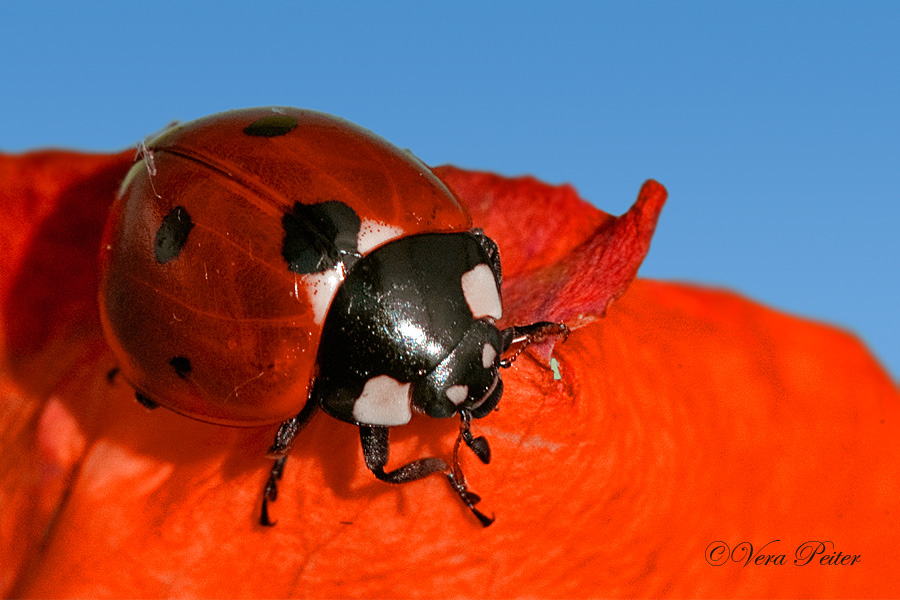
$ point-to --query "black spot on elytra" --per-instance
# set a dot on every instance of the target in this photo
(145, 401)
(272, 126)
(319, 236)
(111, 374)
(181, 365)
(172, 235)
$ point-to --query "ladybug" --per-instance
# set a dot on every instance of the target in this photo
(260, 264)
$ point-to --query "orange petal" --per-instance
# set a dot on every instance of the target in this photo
(684, 417)
(563, 260)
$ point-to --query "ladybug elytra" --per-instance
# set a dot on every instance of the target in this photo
(260, 264)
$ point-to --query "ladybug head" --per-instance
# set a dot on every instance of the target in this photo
(412, 329)
(468, 379)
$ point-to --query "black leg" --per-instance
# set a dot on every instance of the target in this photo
(287, 432)
(376, 449)
(479, 445)
(270, 492)
(470, 499)
(524, 335)
(457, 480)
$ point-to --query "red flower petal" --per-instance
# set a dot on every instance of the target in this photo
(684, 417)
(563, 259)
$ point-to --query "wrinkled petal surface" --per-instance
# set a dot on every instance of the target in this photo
(563, 260)
(685, 416)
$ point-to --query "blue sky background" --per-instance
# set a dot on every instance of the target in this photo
(774, 125)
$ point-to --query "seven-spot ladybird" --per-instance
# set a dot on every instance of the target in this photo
(260, 264)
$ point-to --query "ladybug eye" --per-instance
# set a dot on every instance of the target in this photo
(489, 401)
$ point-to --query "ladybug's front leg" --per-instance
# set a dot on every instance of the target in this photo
(279, 449)
(376, 449)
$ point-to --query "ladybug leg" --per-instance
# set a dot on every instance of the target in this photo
(479, 445)
(524, 335)
(481, 449)
(376, 449)
(270, 492)
(279, 449)
(288, 430)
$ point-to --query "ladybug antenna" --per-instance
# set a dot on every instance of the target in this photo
(457, 480)
(523, 336)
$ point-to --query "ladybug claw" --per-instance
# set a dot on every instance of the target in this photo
(483, 518)
(470, 499)
(270, 492)
(481, 448)
(264, 519)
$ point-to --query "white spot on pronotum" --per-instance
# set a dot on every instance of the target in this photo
(320, 289)
(480, 289)
(373, 234)
(488, 354)
(457, 394)
(384, 401)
